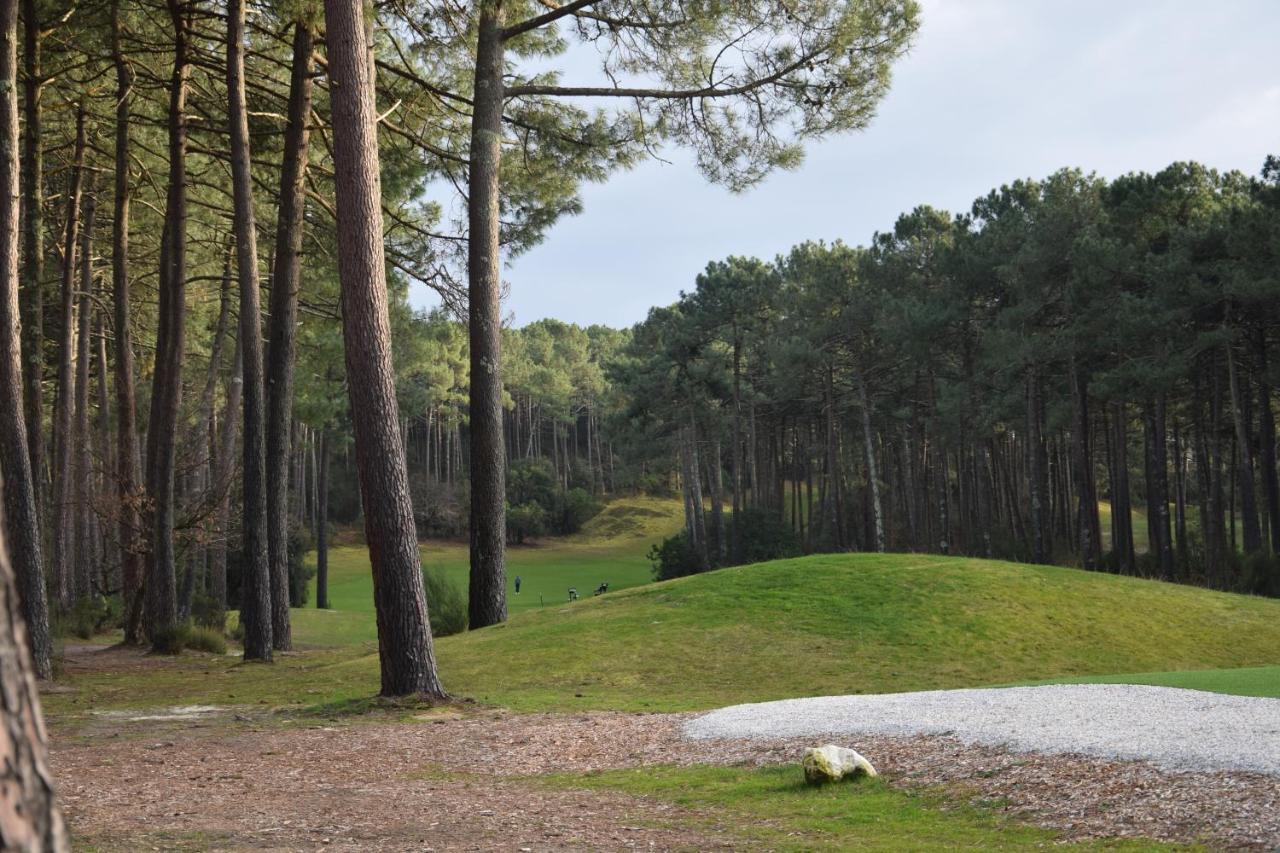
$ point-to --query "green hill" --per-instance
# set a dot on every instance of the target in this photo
(852, 623)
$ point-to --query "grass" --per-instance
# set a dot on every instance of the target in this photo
(849, 623)
(854, 623)
(1242, 681)
(610, 549)
(771, 808)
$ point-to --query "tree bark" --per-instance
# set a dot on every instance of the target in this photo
(873, 473)
(404, 632)
(64, 405)
(255, 587)
(21, 519)
(30, 820)
(1267, 441)
(322, 524)
(282, 334)
(487, 602)
(166, 386)
(32, 171)
(1252, 533)
(128, 459)
(85, 559)
(224, 470)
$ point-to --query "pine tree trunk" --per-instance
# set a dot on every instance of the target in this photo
(32, 181)
(322, 523)
(404, 632)
(166, 386)
(64, 406)
(224, 470)
(1088, 527)
(487, 602)
(128, 460)
(1267, 441)
(283, 327)
(85, 559)
(30, 821)
(21, 507)
(1036, 475)
(873, 473)
(1252, 533)
(256, 586)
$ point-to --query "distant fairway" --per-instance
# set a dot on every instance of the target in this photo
(610, 549)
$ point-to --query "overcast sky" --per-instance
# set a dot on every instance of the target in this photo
(992, 90)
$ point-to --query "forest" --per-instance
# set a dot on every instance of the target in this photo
(259, 370)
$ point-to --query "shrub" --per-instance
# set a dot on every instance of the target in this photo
(674, 557)
(1260, 574)
(208, 612)
(89, 616)
(206, 640)
(762, 537)
(576, 509)
(525, 520)
(446, 605)
(171, 641)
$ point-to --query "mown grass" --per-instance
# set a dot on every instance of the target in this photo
(610, 549)
(854, 623)
(849, 623)
(1243, 681)
(771, 808)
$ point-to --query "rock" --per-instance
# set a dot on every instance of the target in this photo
(832, 763)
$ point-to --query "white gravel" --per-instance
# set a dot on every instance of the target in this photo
(1175, 729)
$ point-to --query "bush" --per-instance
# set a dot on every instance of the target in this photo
(576, 509)
(526, 520)
(762, 537)
(446, 605)
(673, 558)
(171, 641)
(88, 617)
(208, 612)
(206, 640)
(1260, 574)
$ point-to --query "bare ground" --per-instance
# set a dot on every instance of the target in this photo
(457, 778)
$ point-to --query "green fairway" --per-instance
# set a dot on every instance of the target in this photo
(1242, 681)
(854, 623)
(847, 623)
(610, 549)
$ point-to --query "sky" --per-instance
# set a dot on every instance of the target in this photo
(992, 91)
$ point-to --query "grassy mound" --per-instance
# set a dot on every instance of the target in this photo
(857, 623)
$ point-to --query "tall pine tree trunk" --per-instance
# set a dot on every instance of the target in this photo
(1252, 533)
(64, 405)
(256, 591)
(166, 386)
(82, 505)
(282, 335)
(21, 518)
(128, 458)
(30, 821)
(487, 602)
(322, 523)
(32, 180)
(404, 633)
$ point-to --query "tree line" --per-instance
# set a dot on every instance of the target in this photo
(1037, 379)
(219, 209)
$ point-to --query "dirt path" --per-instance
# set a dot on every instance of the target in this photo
(459, 780)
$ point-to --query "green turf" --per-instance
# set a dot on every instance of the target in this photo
(853, 623)
(610, 549)
(817, 625)
(771, 808)
(1241, 681)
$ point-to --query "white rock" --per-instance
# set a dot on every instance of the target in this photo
(832, 763)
